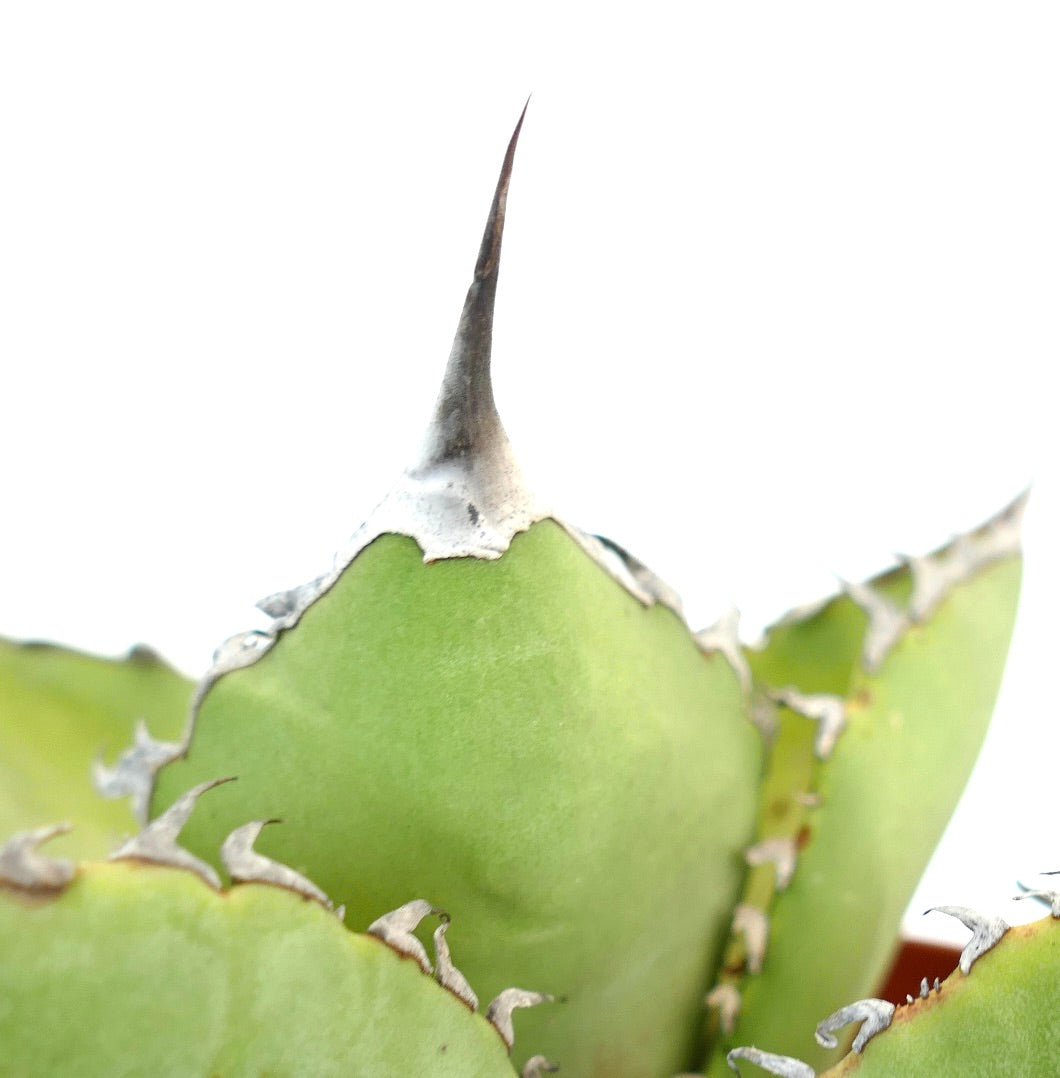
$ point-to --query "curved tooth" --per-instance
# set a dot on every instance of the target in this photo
(157, 842)
(445, 973)
(535, 1066)
(925, 988)
(781, 851)
(1050, 898)
(499, 1012)
(282, 605)
(986, 931)
(241, 649)
(626, 570)
(396, 927)
(1001, 536)
(726, 998)
(753, 925)
(23, 867)
(724, 637)
(134, 772)
(245, 865)
(873, 1014)
(887, 624)
(826, 709)
(784, 1066)
(936, 575)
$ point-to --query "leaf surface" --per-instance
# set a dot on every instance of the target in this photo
(138, 971)
(913, 730)
(59, 709)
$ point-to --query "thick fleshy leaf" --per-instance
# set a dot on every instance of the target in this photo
(525, 742)
(59, 710)
(867, 768)
(141, 971)
(999, 1021)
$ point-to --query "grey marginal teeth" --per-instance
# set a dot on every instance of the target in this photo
(445, 973)
(1001, 536)
(726, 998)
(751, 923)
(284, 604)
(780, 850)
(784, 1066)
(245, 865)
(240, 650)
(133, 774)
(499, 1012)
(157, 842)
(886, 625)
(396, 928)
(1050, 898)
(535, 1066)
(625, 569)
(986, 931)
(925, 990)
(723, 636)
(22, 866)
(935, 576)
(826, 709)
(873, 1014)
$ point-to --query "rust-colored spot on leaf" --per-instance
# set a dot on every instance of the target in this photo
(860, 701)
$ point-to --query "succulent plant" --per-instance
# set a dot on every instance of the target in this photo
(486, 730)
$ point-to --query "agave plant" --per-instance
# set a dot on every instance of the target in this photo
(488, 737)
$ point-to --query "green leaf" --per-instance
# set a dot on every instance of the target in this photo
(58, 710)
(913, 729)
(137, 970)
(525, 742)
(1000, 1020)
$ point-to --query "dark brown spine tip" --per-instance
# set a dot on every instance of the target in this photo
(490, 252)
(465, 419)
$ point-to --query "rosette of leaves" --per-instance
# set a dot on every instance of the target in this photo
(481, 703)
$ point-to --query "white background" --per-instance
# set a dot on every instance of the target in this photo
(778, 300)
